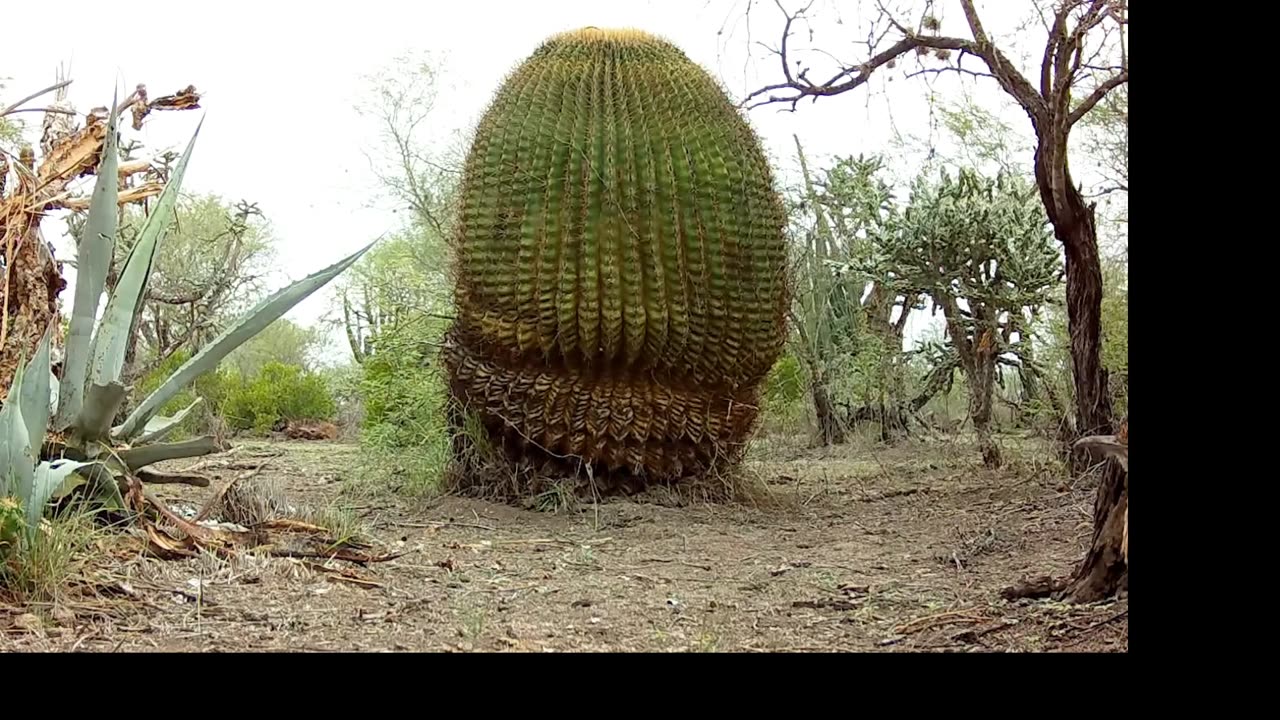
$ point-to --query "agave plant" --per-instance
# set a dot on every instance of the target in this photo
(56, 433)
(621, 284)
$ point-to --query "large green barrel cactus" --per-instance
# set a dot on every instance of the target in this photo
(620, 280)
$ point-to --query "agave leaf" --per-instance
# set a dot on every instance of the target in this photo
(100, 407)
(112, 340)
(93, 259)
(50, 477)
(250, 324)
(33, 395)
(138, 457)
(98, 477)
(17, 463)
(53, 396)
(161, 425)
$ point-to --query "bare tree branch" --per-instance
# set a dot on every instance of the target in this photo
(1096, 96)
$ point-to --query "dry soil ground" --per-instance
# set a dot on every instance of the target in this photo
(892, 550)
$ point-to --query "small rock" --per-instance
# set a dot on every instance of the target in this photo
(29, 622)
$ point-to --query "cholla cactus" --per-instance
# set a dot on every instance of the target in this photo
(620, 248)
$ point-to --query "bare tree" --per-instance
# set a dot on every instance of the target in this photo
(1076, 73)
(402, 101)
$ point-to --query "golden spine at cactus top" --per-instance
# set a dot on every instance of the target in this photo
(620, 254)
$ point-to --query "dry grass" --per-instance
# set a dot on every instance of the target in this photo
(342, 523)
(260, 500)
(40, 570)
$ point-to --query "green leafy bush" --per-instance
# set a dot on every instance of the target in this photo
(403, 431)
(403, 400)
(278, 394)
(785, 384)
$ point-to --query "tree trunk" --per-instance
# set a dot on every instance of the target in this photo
(894, 421)
(1075, 227)
(980, 392)
(1103, 571)
(29, 299)
(829, 428)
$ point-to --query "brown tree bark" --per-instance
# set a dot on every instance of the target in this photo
(980, 392)
(1075, 226)
(32, 281)
(1104, 570)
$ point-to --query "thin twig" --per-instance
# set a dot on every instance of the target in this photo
(677, 561)
(942, 618)
(58, 111)
(1090, 628)
(33, 96)
(438, 525)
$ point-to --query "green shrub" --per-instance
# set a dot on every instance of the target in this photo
(403, 402)
(785, 382)
(403, 431)
(279, 393)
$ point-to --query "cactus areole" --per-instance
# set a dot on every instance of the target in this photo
(620, 261)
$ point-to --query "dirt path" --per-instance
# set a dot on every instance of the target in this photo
(901, 550)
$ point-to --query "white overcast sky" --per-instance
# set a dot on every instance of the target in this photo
(281, 79)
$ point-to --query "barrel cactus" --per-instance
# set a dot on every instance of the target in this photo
(620, 263)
